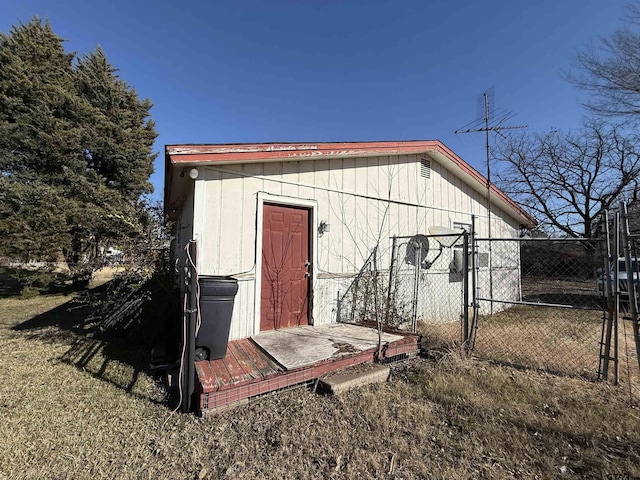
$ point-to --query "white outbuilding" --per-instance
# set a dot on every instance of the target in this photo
(294, 222)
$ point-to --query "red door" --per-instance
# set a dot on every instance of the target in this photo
(285, 267)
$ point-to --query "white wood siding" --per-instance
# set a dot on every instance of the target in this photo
(365, 201)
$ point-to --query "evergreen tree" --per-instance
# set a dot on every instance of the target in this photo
(75, 149)
(119, 129)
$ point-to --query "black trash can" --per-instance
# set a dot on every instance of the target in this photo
(216, 308)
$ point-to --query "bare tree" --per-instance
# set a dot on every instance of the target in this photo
(610, 70)
(567, 179)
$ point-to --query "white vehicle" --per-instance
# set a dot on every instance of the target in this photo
(113, 255)
(623, 286)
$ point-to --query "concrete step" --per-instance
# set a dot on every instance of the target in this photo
(356, 376)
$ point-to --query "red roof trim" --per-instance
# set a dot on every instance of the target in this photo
(472, 172)
(191, 154)
(278, 151)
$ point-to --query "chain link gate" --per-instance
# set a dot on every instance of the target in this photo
(564, 305)
(538, 303)
(428, 288)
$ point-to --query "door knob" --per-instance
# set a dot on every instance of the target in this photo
(307, 264)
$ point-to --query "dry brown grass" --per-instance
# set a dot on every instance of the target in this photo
(105, 274)
(559, 340)
(73, 413)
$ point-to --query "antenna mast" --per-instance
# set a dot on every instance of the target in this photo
(486, 128)
(497, 127)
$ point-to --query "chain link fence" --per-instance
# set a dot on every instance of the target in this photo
(420, 291)
(563, 305)
(427, 287)
(540, 304)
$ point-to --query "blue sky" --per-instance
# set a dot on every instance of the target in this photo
(266, 71)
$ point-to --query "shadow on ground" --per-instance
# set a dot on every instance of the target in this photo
(27, 282)
(9, 285)
(592, 301)
(110, 331)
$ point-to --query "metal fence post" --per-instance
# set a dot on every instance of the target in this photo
(416, 281)
(607, 325)
(616, 296)
(465, 291)
(474, 291)
(391, 266)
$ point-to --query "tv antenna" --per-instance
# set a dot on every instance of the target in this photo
(491, 122)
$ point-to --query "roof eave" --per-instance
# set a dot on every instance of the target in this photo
(189, 155)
